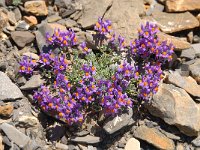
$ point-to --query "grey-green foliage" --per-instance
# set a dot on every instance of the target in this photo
(16, 2)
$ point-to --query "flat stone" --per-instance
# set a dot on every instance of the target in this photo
(22, 26)
(21, 38)
(3, 20)
(11, 18)
(177, 42)
(154, 137)
(62, 146)
(37, 8)
(182, 5)
(88, 139)
(92, 12)
(125, 19)
(18, 14)
(195, 70)
(8, 90)
(15, 135)
(53, 18)
(28, 121)
(31, 20)
(174, 22)
(196, 142)
(176, 107)
(132, 144)
(186, 83)
(196, 48)
(6, 110)
(33, 83)
(69, 23)
(113, 125)
(188, 53)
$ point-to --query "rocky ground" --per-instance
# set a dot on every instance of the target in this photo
(170, 122)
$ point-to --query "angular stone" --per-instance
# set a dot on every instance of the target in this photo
(174, 22)
(196, 141)
(31, 20)
(132, 144)
(33, 83)
(37, 8)
(3, 20)
(154, 137)
(92, 12)
(15, 135)
(176, 107)
(8, 90)
(186, 83)
(177, 42)
(197, 49)
(28, 121)
(69, 23)
(21, 38)
(18, 14)
(11, 18)
(113, 125)
(62, 146)
(53, 18)
(188, 53)
(195, 70)
(125, 19)
(88, 139)
(1, 143)
(22, 26)
(6, 110)
(182, 5)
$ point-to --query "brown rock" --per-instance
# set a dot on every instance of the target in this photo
(176, 107)
(3, 20)
(6, 110)
(92, 11)
(174, 22)
(182, 5)
(177, 42)
(186, 83)
(1, 143)
(154, 137)
(195, 70)
(37, 8)
(125, 19)
(31, 20)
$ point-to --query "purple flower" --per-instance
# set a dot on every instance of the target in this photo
(27, 65)
(85, 49)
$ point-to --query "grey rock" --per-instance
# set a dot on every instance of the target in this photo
(113, 125)
(22, 26)
(69, 23)
(62, 146)
(53, 18)
(176, 107)
(6, 140)
(21, 38)
(8, 90)
(82, 133)
(196, 39)
(67, 12)
(195, 70)
(196, 47)
(125, 18)
(62, 3)
(92, 12)
(34, 83)
(2, 3)
(188, 53)
(15, 135)
(196, 141)
(18, 15)
(88, 139)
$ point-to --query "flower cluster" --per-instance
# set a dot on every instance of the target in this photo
(103, 27)
(62, 38)
(27, 65)
(111, 92)
(70, 95)
(150, 54)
